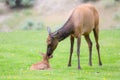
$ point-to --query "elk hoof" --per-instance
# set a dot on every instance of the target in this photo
(100, 64)
(90, 64)
(79, 68)
(69, 65)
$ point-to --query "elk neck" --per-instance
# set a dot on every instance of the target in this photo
(64, 31)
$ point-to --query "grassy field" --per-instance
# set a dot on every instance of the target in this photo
(19, 50)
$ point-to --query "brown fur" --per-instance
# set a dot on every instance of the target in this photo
(83, 20)
(86, 20)
(42, 65)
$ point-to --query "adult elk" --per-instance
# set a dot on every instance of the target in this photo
(83, 20)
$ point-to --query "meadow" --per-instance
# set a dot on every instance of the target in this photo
(20, 49)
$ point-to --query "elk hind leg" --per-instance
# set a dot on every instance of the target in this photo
(78, 51)
(87, 38)
(96, 35)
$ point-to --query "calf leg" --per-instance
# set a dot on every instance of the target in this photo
(87, 38)
(71, 49)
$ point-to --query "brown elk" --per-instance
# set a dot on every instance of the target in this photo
(42, 65)
(83, 20)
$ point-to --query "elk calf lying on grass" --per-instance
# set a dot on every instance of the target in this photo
(42, 65)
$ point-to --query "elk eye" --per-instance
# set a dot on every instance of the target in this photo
(52, 37)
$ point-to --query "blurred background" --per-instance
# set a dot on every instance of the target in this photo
(23, 35)
(37, 14)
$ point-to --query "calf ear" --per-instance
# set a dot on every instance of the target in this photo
(49, 30)
(42, 54)
(51, 56)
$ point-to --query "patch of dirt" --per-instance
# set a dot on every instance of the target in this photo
(3, 17)
(4, 12)
(5, 28)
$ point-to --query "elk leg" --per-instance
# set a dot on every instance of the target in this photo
(78, 51)
(71, 49)
(97, 44)
(89, 42)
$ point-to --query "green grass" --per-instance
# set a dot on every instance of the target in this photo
(19, 50)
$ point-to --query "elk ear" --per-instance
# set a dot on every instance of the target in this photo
(56, 34)
(49, 30)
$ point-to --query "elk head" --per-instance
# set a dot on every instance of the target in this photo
(52, 42)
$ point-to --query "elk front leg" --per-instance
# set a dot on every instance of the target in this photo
(71, 50)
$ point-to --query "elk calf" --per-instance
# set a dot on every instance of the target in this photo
(42, 65)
